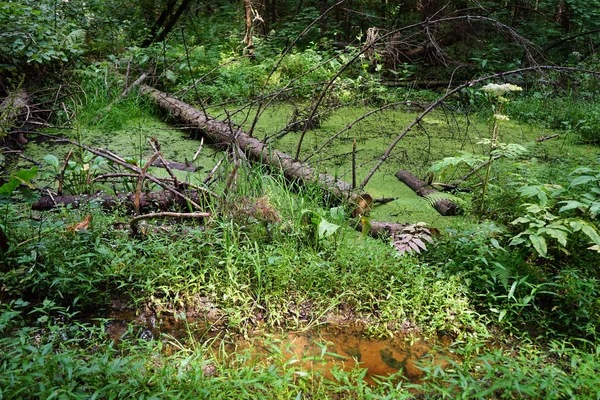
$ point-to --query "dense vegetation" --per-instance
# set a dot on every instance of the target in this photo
(502, 94)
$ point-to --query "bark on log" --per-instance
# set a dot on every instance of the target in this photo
(223, 133)
(380, 229)
(148, 201)
(444, 206)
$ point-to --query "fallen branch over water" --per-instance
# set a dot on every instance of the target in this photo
(223, 133)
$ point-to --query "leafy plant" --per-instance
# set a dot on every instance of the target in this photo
(543, 220)
(411, 239)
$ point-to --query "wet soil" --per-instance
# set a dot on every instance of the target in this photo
(317, 351)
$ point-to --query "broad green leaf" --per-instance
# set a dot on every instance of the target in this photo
(533, 208)
(570, 205)
(557, 234)
(52, 160)
(530, 191)
(501, 315)
(25, 175)
(9, 187)
(517, 240)
(513, 287)
(582, 170)
(581, 180)
(520, 220)
(595, 208)
(576, 225)
(326, 228)
(591, 233)
(539, 244)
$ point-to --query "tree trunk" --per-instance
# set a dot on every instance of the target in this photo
(173, 20)
(222, 133)
(248, 35)
(159, 23)
(444, 206)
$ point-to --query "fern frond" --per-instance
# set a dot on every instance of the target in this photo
(75, 38)
(435, 197)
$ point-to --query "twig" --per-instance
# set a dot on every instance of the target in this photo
(384, 200)
(118, 160)
(436, 103)
(156, 147)
(354, 165)
(137, 82)
(107, 176)
(61, 177)
(213, 171)
(231, 177)
(138, 189)
(199, 149)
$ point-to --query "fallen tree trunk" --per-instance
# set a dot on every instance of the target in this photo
(223, 133)
(148, 201)
(444, 206)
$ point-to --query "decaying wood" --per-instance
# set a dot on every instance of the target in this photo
(379, 229)
(544, 138)
(134, 222)
(148, 201)
(222, 133)
(444, 206)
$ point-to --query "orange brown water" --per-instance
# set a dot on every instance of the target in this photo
(324, 351)
(316, 351)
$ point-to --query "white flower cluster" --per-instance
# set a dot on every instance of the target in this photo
(499, 90)
(501, 117)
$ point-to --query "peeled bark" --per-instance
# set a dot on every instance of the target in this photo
(444, 206)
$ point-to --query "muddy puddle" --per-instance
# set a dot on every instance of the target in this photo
(320, 351)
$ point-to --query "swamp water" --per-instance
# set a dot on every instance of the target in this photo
(435, 138)
(320, 351)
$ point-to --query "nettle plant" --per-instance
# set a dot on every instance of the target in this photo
(561, 218)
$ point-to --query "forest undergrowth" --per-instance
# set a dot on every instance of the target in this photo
(500, 301)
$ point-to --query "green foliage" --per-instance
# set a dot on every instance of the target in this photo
(510, 373)
(39, 32)
(570, 113)
(565, 215)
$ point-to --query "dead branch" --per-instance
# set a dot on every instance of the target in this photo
(140, 182)
(134, 222)
(222, 133)
(119, 161)
(148, 201)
